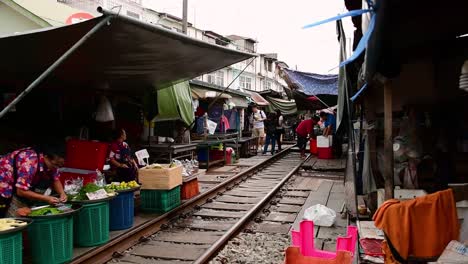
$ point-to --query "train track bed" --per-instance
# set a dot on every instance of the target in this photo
(198, 234)
(145, 223)
(265, 242)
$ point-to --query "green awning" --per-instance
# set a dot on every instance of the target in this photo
(286, 107)
(175, 103)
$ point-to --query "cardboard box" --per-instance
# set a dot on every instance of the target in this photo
(160, 179)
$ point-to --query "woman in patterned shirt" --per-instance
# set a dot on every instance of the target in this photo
(25, 176)
(122, 164)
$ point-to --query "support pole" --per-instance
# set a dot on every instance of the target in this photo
(388, 141)
(54, 66)
(185, 16)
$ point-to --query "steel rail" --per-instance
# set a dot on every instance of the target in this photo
(211, 251)
(128, 239)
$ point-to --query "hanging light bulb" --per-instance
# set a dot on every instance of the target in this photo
(463, 85)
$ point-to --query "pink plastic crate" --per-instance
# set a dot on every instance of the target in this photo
(304, 238)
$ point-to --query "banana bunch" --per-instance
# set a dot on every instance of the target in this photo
(123, 185)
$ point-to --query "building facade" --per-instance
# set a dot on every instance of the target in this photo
(258, 75)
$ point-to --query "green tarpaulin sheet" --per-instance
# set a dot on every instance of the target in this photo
(175, 103)
(286, 107)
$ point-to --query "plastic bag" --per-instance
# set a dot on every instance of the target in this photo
(104, 111)
(320, 215)
(73, 187)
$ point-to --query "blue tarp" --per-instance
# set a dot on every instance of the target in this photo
(313, 84)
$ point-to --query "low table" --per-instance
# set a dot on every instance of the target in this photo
(205, 146)
(168, 151)
(248, 146)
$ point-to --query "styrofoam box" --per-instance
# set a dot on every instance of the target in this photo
(462, 210)
(324, 142)
(400, 194)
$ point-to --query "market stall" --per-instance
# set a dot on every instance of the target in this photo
(410, 134)
(81, 102)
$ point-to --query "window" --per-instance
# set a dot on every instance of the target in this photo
(245, 82)
(220, 78)
(133, 14)
(216, 78)
(268, 65)
(267, 85)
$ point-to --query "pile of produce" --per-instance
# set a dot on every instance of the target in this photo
(89, 188)
(122, 186)
(45, 211)
(7, 224)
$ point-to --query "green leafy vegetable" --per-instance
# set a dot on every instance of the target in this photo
(45, 211)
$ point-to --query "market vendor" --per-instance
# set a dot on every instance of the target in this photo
(329, 122)
(26, 176)
(123, 166)
(305, 130)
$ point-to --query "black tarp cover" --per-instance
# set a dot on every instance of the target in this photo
(126, 55)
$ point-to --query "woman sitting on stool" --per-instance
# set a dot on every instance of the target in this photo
(123, 166)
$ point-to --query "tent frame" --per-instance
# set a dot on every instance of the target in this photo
(55, 65)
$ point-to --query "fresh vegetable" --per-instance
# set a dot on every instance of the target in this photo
(45, 211)
(89, 188)
(121, 186)
(7, 224)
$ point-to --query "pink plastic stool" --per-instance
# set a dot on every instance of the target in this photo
(304, 239)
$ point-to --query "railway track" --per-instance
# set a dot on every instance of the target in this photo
(199, 228)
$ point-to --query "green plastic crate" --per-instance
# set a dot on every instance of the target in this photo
(160, 201)
(11, 248)
(51, 240)
(91, 225)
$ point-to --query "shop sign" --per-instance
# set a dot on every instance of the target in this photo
(78, 17)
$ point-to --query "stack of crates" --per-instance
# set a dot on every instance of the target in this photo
(160, 188)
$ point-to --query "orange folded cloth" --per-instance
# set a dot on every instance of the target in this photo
(419, 228)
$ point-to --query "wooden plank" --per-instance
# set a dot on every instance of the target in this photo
(292, 201)
(305, 184)
(228, 206)
(320, 196)
(195, 237)
(331, 232)
(328, 165)
(274, 228)
(281, 217)
(245, 194)
(338, 188)
(237, 200)
(165, 250)
(206, 225)
(289, 208)
(131, 259)
(219, 214)
(210, 178)
(297, 194)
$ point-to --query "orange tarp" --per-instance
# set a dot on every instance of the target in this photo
(421, 227)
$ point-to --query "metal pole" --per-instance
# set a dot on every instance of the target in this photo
(388, 141)
(185, 16)
(54, 66)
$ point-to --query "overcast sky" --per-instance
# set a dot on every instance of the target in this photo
(276, 24)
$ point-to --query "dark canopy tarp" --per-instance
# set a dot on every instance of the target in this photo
(175, 103)
(311, 83)
(258, 99)
(412, 29)
(312, 91)
(286, 107)
(126, 55)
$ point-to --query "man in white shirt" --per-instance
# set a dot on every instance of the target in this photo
(257, 118)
